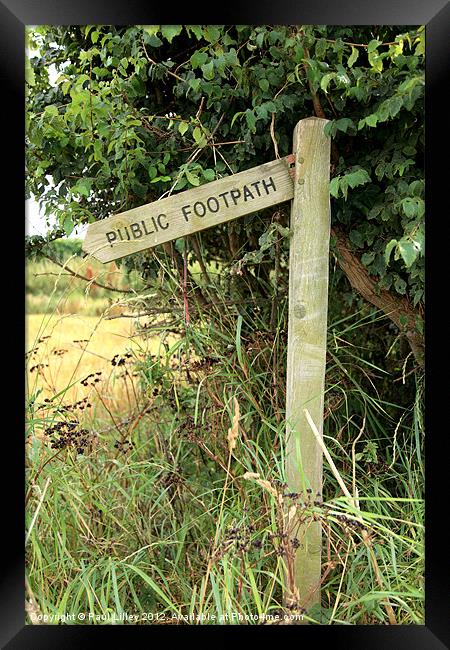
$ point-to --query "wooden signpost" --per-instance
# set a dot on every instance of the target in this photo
(307, 338)
(190, 211)
(232, 197)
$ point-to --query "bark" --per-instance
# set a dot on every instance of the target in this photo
(397, 308)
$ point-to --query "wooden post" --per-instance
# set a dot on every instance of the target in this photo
(307, 335)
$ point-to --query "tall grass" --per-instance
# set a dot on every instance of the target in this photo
(157, 520)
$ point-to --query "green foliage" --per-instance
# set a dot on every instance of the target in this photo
(138, 111)
(62, 249)
(351, 179)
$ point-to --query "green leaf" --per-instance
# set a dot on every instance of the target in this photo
(342, 77)
(418, 240)
(417, 297)
(155, 588)
(356, 238)
(231, 58)
(197, 30)
(68, 225)
(408, 251)
(409, 207)
(416, 187)
(389, 247)
(162, 179)
(395, 104)
(197, 134)
(192, 178)
(83, 187)
(359, 177)
(419, 324)
(98, 154)
(400, 285)
(334, 187)
(211, 33)
(251, 120)
(321, 47)
(180, 184)
(195, 84)
(326, 80)
(420, 43)
(198, 59)
(151, 30)
(208, 70)
(367, 258)
(235, 116)
(209, 174)
(343, 124)
(376, 61)
(154, 40)
(353, 56)
(199, 137)
(51, 111)
(29, 73)
(352, 179)
(260, 39)
(375, 211)
(139, 188)
(238, 341)
(183, 127)
(170, 31)
(264, 84)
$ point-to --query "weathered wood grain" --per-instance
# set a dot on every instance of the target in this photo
(307, 336)
(190, 211)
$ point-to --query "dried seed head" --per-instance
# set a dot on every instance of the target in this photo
(263, 483)
(233, 431)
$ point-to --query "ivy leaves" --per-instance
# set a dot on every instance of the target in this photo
(406, 96)
(138, 111)
(408, 248)
(341, 184)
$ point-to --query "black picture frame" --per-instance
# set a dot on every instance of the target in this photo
(435, 14)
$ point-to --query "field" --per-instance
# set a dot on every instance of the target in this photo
(73, 346)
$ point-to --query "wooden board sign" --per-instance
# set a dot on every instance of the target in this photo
(190, 211)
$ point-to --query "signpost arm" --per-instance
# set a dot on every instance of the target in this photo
(307, 334)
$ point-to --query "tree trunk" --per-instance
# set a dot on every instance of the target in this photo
(397, 308)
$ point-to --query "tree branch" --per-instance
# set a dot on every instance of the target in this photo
(397, 308)
(82, 277)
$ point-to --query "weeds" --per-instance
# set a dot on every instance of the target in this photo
(159, 496)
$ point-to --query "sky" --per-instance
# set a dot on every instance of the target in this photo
(35, 222)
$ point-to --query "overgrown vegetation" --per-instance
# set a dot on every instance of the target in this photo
(156, 512)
